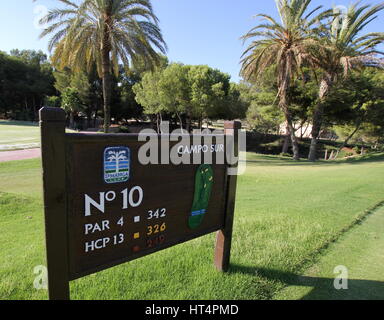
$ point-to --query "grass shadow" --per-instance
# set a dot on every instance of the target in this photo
(269, 160)
(322, 288)
(18, 123)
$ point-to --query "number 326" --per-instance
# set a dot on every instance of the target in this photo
(157, 228)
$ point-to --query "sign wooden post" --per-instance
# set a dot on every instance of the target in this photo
(105, 205)
(52, 124)
(224, 236)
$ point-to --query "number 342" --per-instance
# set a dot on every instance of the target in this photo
(157, 214)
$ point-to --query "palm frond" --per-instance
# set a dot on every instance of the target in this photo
(129, 28)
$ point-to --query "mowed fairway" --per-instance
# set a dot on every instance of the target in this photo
(18, 135)
(286, 213)
(361, 252)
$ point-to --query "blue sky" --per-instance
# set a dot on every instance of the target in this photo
(196, 31)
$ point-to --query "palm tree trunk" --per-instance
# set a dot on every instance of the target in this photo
(286, 141)
(106, 71)
(318, 113)
(290, 127)
(295, 142)
(317, 122)
(107, 85)
(284, 81)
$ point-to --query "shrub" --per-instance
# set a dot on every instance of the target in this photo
(124, 129)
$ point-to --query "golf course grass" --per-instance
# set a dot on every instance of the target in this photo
(287, 213)
(360, 251)
(19, 135)
(16, 135)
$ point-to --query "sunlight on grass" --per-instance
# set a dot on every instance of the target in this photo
(18, 135)
(285, 212)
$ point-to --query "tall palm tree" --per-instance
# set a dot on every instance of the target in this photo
(282, 45)
(341, 48)
(103, 33)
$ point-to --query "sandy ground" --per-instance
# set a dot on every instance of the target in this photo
(19, 155)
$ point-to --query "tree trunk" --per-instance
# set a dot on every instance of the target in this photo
(286, 141)
(305, 131)
(188, 123)
(286, 144)
(201, 123)
(337, 154)
(34, 108)
(72, 120)
(95, 118)
(317, 120)
(357, 128)
(294, 140)
(107, 85)
(284, 82)
(158, 123)
(106, 70)
(181, 122)
(291, 129)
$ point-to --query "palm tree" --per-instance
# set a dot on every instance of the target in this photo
(341, 48)
(117, 157)
(104, 33)
(283, 46)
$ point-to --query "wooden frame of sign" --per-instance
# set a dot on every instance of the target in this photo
(103, 208)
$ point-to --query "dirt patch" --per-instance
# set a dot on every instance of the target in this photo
(20, 155)
(349, 150)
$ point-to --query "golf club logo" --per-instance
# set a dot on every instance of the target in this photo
(117, 164)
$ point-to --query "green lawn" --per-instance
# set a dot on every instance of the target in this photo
(361, 252)
(18, 135)
(286, 214)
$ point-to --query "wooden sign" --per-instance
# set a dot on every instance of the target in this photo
(103, 207)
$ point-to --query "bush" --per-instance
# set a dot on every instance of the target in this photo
(52, 101)
(285, 155)
(357, 150)
(124, 129)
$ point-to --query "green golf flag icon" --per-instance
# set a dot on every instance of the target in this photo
(203, 188)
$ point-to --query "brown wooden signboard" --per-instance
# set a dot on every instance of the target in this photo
(103, 207)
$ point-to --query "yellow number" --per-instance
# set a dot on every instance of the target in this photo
(156, 229)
